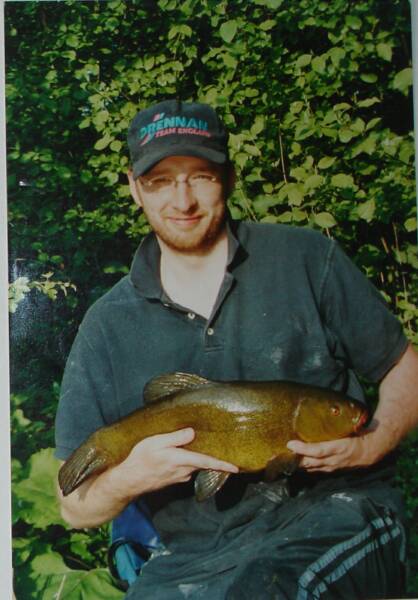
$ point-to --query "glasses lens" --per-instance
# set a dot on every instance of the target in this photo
(158, 184)
(163, 183)
(203, 180)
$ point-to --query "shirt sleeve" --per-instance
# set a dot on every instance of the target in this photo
(87, 388)
(357, 314)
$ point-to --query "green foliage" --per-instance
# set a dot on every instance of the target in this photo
(22, 286)
(48, 557)
(317, 97)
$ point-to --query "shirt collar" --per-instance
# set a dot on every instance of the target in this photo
(145, 270)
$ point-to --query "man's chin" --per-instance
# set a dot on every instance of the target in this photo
(191, 241)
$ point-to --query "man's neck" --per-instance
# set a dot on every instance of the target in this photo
(193, 279)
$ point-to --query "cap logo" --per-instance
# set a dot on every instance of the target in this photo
(161, 126)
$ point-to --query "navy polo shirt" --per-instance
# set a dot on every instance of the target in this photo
(291, 306)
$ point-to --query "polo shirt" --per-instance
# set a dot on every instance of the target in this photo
(291, 306)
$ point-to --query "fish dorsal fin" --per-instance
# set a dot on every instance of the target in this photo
(163, 385)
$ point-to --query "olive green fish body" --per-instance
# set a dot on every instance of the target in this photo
(244, 423)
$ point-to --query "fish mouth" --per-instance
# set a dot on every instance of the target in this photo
(360, 421)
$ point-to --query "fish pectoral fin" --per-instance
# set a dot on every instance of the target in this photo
(281, 464)
(207, 483)
(164, 385)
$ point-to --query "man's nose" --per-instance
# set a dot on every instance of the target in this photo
(183, 197)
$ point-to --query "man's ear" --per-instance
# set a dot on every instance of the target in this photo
(133, 186)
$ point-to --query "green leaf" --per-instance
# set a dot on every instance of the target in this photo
(149, 62)
(230, 61)
(103, 142)
(298, 173)
(325, 220)
(326, 162)
(368, 102)
(411, 224)
(116, 145)
(295, 194)
(72, 41)
(50, 562)
(403, 80)
(258, 125)
(175, 30)
(252, 150)
(342, 106)
(37, 491)
(353, 22)
(368, 77)
(366, 210)
(296, 107)
(368, 146)
(384, 51)
(341, 180)
(299, 215)
(240, 159)
(303, 61)
(358, 125)
(269, 219)
(337, 54)
(372, 123)
(313, 182)
(345, 134)
(286, 217)
(96, 584)
(267, 25)
(319, 64)
(228, 30)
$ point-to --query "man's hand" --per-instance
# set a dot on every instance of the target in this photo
(154, 463)
(345, 453)
(396, 414)
(159, 461)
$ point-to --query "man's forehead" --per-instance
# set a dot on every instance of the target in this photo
(183, 163)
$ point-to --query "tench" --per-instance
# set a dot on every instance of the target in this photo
(242, 422)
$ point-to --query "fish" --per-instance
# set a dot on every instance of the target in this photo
(246, 423)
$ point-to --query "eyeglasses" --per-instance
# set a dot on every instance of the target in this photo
(199, 182)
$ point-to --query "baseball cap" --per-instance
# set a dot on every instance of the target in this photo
(175, 128)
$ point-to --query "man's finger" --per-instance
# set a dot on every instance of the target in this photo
(176, 438)
(203, 461)
(317, 450)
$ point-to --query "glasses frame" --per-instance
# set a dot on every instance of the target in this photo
(166, 183)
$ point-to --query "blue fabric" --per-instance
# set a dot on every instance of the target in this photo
(131, 530)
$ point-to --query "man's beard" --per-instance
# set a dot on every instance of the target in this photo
(197, 242)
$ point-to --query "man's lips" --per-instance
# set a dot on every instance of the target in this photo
(185, 221)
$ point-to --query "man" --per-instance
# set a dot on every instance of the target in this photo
(239, 301)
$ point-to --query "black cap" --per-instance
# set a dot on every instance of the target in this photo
(173, 128)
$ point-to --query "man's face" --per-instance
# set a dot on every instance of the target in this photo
(183, 198)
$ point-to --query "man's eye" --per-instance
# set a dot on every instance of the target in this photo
(160, 181)
(203, 177)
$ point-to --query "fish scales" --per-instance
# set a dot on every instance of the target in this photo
(244, 423)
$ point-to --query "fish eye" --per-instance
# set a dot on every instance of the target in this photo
(335, 410)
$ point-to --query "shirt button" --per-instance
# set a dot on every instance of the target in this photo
(210, 331)
(191, 315)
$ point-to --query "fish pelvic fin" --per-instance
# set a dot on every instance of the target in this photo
(207, 483)
(167, 384)
(282, 464)
(83, 462)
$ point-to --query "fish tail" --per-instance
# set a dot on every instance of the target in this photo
(83, 462)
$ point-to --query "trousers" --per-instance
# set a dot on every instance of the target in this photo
(329, 545)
